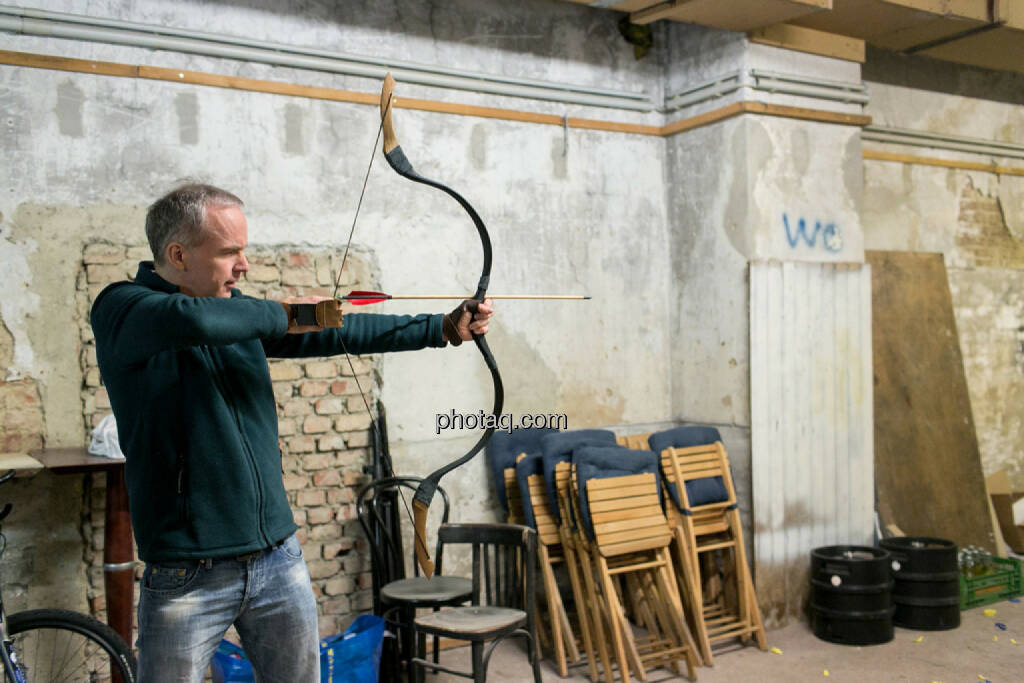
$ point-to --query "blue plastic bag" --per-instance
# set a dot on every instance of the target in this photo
(230, 665)
(353, 656)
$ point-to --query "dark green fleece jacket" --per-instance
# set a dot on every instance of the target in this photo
(190, 387)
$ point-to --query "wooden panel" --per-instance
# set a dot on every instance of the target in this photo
(927, 464)
(1001, 48)
(810, 40)
(737, 15)
(875, 20)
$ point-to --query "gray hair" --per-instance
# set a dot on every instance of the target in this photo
(178, 216)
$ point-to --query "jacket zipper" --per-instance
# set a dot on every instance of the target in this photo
(253, 469)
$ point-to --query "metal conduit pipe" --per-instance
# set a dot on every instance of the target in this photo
(766, 81)
(76, 27)
(956, 143)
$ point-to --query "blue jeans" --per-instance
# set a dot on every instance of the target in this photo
(186, 607)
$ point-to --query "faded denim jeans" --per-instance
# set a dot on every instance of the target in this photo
(186, 607)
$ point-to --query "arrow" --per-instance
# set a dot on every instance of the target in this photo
(362, 298)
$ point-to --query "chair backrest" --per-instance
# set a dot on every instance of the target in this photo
(699, 492)
(504, 561)
(627, 515)
(593, 463)
(556, 448)
(504, 448)
(377, 505)
(635, 442)
(536, 508)
(704, 472)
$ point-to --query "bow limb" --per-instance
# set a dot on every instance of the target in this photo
(400, 163)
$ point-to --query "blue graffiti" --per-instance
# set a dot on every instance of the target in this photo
(830, 237)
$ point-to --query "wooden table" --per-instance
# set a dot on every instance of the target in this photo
(118, 556)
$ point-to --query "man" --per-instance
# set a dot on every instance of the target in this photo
(183, 355)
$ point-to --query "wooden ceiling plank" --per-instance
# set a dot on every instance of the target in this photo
(1001, 48)
(739, 15)
(809, 40)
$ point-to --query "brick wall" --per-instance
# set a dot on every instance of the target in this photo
(324, 426)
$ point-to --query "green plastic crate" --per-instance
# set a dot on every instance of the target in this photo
(1001, 583)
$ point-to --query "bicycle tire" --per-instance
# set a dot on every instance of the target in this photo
(56, 645)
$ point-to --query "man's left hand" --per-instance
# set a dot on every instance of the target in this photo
(469, 318)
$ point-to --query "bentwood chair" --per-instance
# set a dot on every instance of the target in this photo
(396, 596)
(504, 575)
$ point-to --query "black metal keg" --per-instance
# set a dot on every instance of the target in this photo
(926, 591)
(851, 600)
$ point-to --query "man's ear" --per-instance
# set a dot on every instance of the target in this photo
(176, 257)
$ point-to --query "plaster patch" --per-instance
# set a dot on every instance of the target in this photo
(478, 147)
(186, 105)
(294, 144)
(17, 301)
(559, 158)
(70, 100)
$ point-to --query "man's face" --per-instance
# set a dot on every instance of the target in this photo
(213, 268)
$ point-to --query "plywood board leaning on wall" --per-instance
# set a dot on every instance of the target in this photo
(927, 464)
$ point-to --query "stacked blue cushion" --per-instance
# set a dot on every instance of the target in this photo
(698, 491)
(556, 448)
(502, 450)
(602, 462)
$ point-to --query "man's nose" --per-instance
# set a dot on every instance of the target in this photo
(243, 263)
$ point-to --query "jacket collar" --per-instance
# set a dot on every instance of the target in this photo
(147, 276)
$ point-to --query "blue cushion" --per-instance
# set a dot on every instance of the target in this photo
(557, 448)
(502, 450)
(698, 491)
(525, 468)
(602, 462)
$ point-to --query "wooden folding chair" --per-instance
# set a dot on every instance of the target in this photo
(537, 512)
(631, 543)
(705, 520)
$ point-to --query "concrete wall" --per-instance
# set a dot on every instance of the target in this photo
(85, 154)
(975, 219)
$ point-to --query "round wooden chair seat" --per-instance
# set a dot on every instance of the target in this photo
(421, 591)
(472, 620)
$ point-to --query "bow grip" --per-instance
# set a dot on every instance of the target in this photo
(322, 314)
(419, 515)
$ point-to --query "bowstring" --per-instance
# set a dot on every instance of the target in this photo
(348, 358)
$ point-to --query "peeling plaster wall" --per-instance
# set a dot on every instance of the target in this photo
(581, 212)
(976, 220)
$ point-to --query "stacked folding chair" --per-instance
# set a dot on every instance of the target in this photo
(503, 450)
(556, 455)
(709, 543)
(623, 534)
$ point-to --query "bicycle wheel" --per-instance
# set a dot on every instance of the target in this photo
(57, 645)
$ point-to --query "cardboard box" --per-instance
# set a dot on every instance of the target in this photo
(1005, 501)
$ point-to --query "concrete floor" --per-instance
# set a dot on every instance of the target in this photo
(978, 650)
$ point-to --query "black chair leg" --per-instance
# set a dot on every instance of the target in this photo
(479, 671)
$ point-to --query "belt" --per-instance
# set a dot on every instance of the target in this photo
(245, 557)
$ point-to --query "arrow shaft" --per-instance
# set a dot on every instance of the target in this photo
(569, 297)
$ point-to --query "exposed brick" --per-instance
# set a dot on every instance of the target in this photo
(330, 442)
(325, 532)
(298, 259)
(299, 516)
(321, 369)
(334, 496)
(311, 388)
(362, 367)
(319, 515)
(104, 273)
(301, 444)
(317, 461)
(358, 439)
(353, 477)
(316, 424)
(298, 277)
(327, 478)
(337, 605)
(322, 569)
(263, 273)
(365, 580)
(103, 253)
(286, 426)
(297, 406)
(328, 406)
(363, 601)
(102, 399)
(137, 253)
(295, 482)
(308, 498)
(284, 372)
(352, 423)
(92, 377)
(340, 586)
(342, 387)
